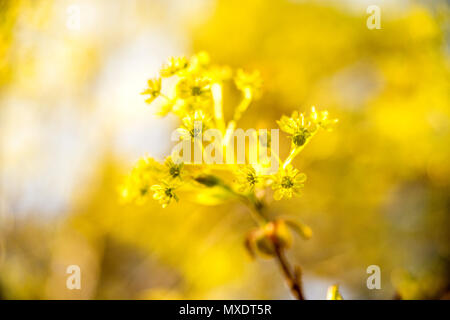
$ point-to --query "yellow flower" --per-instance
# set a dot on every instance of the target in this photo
(164, 193)
(300, 128)
(137, 184)
(154, 89)
(149, 175)
(249, 83)
(197, 88)
(174, 170)
(320, 119)
(247, 178)
(297, 127)
(193, 125)
(174, 66)
(287, 183)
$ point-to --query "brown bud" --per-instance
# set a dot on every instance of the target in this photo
(273, 234)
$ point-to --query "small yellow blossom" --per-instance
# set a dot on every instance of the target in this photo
(137, 184)
(247, 178)
(287, 183)
(154, 89)
(164, 193)
(174, 66)
(175, 170)
(301, 128)
(249, 83)
(297, 127)
(193, 125)
(198, 88)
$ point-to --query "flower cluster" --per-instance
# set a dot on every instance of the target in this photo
(192, 90)
(195, 95)
(151, 176)
(301, 128)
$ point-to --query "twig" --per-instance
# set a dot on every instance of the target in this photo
(293, 279)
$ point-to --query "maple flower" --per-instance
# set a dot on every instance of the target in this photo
(287, 183)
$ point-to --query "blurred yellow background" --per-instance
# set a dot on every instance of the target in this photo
(72, 123)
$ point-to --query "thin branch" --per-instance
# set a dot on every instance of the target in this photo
(293, 279)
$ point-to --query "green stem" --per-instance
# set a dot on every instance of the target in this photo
(296, 150)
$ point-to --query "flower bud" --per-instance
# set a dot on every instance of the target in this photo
(208, 180)
(274, 234)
